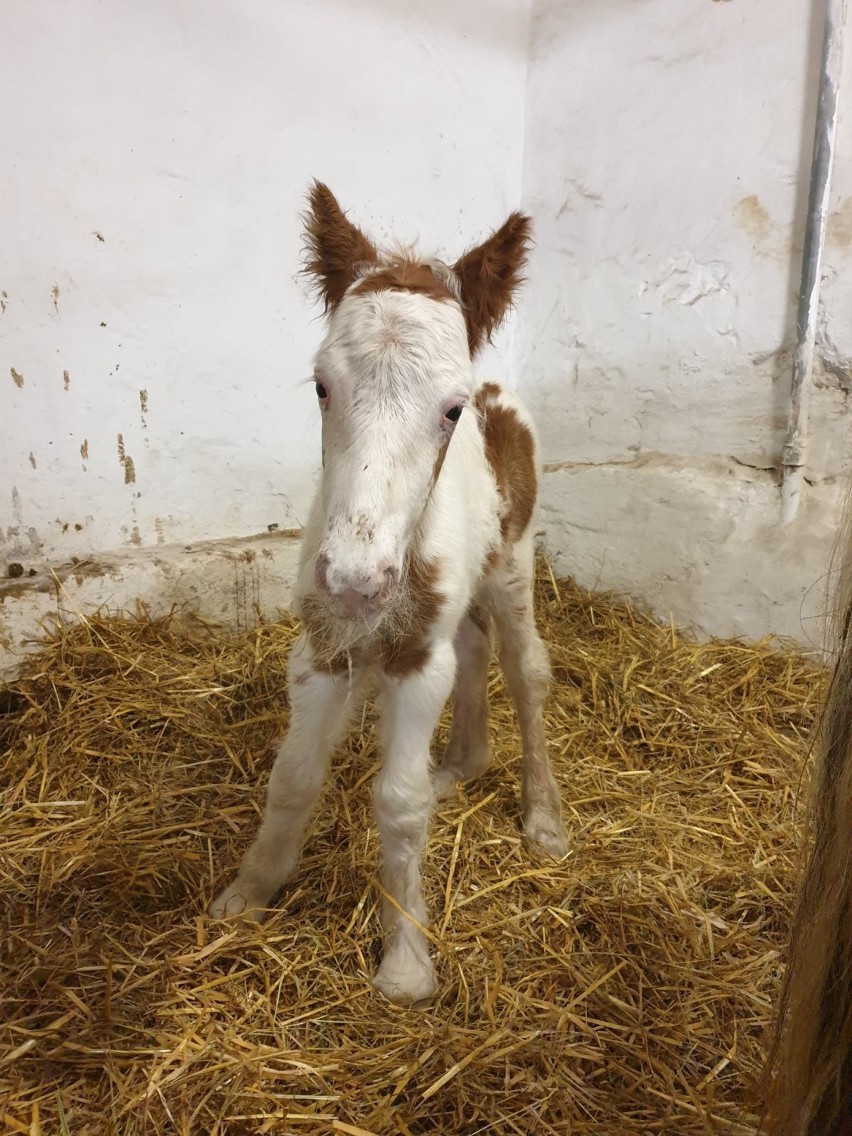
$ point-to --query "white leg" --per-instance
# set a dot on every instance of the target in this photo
(320, 706)
(403, 800)
(526, 665)
(467, 754)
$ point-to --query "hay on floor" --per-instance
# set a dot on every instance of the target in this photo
(624, 990)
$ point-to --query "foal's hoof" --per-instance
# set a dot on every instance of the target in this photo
(406, 979)
(239, 900)
(448, 775)
(546, 833)
(446, 781)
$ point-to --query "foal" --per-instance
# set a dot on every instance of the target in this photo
(419, 543)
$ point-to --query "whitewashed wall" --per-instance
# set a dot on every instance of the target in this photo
(667, 159)
(154, 338)
(155, 158)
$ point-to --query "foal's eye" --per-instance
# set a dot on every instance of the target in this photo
(322, 393)
(453, 414)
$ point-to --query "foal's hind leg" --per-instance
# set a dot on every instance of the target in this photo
(320, 706)
(467, 753)
(526, 666)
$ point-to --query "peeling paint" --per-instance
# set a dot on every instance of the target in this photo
(686, 281)
(143, 406)
(17, 378)
(127, 462)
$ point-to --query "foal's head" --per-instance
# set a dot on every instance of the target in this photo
(393, 377)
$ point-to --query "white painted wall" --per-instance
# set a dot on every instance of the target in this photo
(155, 157)
(667, 156)
(154, 161)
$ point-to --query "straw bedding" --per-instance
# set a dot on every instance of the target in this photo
(624, 990)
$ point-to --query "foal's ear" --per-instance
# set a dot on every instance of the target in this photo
(334, 247)
(489, 275)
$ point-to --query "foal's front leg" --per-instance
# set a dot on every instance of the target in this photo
(404, 796)
(320, 707)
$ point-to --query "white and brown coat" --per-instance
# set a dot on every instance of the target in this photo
(418, 547)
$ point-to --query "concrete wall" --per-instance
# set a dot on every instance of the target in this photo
(667, 160)
(154, 339)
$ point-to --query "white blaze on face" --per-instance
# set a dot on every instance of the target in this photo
(393, 363)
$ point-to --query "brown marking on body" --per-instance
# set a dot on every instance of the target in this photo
(510, 450)
(406, 650)
(407, 276)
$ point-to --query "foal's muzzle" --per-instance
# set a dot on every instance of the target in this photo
(355, 595)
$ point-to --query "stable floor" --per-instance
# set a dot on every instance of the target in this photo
(624, 990)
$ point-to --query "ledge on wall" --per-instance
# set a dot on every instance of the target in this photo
(234, 582)
(697, 541)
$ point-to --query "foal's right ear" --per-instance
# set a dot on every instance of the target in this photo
(334, 247)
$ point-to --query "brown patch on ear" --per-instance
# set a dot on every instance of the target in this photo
(489, 275)
(409, 277)
(334, 247)
(510, 449)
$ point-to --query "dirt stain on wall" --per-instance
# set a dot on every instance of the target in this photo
(84, 450)
(4, 298)
(839, 228)
(17, 378)
(32, 460)
(127, 462)
(54, 295)
(66, 380)
(143, 404)
(753, 218)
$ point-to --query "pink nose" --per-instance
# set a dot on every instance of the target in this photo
(359, 594)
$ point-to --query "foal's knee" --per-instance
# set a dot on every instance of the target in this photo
(403, 804)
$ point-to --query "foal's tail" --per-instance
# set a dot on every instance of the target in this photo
(811, 1057)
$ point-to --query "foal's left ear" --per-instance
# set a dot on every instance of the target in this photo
(489, 275)
(334, 247)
